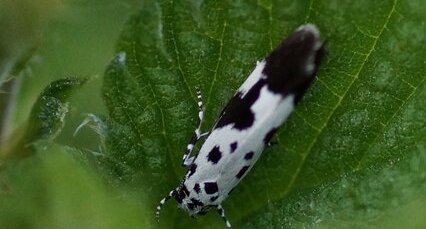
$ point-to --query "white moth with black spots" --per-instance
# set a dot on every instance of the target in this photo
(247, 123)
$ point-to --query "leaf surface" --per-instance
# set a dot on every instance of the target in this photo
(46, 118)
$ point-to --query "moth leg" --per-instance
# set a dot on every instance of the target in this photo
(162, 202)
(187, 159)
(221, 212)
(272, 142)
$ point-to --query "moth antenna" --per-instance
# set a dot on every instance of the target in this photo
(162, 202)
(187, 159)
(221, 212)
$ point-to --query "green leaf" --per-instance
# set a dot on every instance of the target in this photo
(363, 114)
(46, 119)
(51, 190)
(391, 197)
(47, 115)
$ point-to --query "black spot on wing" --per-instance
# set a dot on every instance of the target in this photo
(197, 202)
(197, 188)
(181, 194)
(242, 171)
(233, 146)
(213, 198)
(249, 155)
(286, 65)
(192, 170)
(178, 198)
(269, 135)
(238, 112)
(211, 187)
(214, 155)
(191, 206)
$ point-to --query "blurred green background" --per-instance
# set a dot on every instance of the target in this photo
(62, 38)
(72, 38)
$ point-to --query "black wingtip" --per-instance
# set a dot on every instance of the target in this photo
(291, 67)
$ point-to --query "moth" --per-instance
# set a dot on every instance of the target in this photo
(247, 123)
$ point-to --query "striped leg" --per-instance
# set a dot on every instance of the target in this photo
(187, 159)
(222, 214)
(162, 202)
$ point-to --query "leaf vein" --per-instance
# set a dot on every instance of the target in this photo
(328, 88)
(308, 15)
(389, 121)
(217, 65)
(164, 133)
(178, 62)
(318, 129)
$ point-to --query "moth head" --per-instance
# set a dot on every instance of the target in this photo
(291, 67)
(190, 203)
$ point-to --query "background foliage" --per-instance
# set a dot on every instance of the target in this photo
(353, 155)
